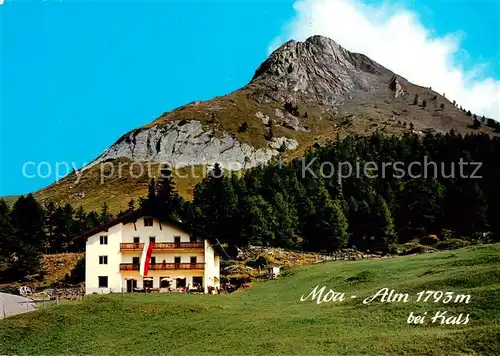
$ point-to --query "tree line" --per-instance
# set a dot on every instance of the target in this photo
(30, 229)
(279, 205)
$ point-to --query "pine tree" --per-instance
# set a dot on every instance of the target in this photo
(50, 223)
(63, 228)
(7, 244)
(287, 221)
(93, 220)
(328, 228)
(80, 225)
(340, 236)
(150, 203)
(168, 200)
(218, 205)
(385, 224)
(131, 205)
(105, 216)
(480, 223)
(27, 221)
(258, 221)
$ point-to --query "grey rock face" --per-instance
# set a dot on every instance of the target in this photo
(187, 145)
(265, 119)
(396, 87)
(318, 70)
(288, 143)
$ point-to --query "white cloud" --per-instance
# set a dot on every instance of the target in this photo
(395, 38)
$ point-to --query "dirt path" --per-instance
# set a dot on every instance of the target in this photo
(11, 304)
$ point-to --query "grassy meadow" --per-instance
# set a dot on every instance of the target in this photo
(269, 318)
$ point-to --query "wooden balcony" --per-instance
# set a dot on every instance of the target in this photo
(163, 266)
(162, 246)
(131, 247)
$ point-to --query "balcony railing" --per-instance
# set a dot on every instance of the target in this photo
(131, 246)
(162, 246)
(163, 266)
(173, 245)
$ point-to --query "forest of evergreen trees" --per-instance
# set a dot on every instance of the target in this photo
(279, 205)
(29, 229)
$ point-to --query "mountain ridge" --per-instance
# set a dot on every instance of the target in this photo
(304, 94)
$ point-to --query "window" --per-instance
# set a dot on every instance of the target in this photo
(193, 259)
(165, 282)
(177, 240)
(153, 260)
(147, 282)
(103, 281)
(180, 283)
(197, 282)
(148, 222)
(103, 240)
(103, 260)
(136, 240)
(177, 260)
(152, 239)
(135, 260)
(192, 238)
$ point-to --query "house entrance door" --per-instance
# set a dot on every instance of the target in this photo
(131, 284)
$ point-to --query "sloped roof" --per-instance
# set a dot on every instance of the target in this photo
(138, 213)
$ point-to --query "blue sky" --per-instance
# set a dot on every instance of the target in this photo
(76, 76)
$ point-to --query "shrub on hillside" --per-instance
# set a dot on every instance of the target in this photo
(243, 127)
(9, 290)
(452, 244)
(260, 261)
(78, 273)
(286, 273)
(411, 248)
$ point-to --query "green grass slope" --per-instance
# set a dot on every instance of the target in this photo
(269, 318)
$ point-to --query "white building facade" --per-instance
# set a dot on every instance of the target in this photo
(180, 260)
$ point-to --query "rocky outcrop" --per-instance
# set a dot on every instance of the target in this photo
(316, 70)
(396, 87)
(280, 143)
(265, 119)
(183, 144)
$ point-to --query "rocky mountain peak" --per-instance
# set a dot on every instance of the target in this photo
(318, 70)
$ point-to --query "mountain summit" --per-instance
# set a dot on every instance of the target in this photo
(305, 94)
(317, 70)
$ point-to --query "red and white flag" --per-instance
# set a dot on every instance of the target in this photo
(146, 258)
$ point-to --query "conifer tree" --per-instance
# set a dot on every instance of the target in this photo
(218, 205)
(27, 221)
(286, 220)
(328, 229)
(93, 220)
(131, 205)
(105, 216)
(385, 224)
(168, 200)
(6, 235)
(150, 203)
